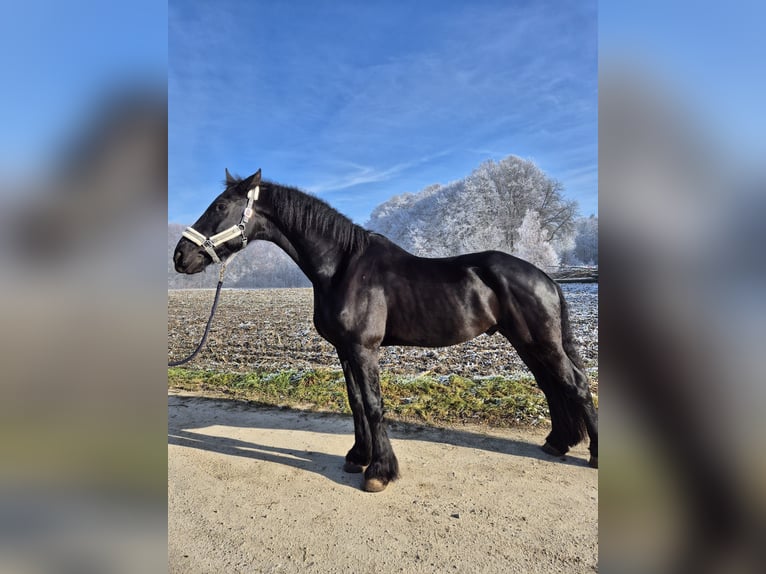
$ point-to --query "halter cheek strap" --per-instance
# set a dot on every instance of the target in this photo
(210, 243)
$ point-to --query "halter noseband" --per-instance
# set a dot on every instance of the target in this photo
(210, 243)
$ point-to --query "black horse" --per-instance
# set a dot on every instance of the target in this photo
(368, 293)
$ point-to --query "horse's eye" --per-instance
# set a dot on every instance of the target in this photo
(220, 206)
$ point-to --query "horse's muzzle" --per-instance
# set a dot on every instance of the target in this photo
(189, 263)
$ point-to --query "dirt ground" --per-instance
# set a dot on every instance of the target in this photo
(254, 489)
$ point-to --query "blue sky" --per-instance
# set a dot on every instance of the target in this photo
(357, 102)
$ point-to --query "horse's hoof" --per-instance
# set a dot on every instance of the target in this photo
(374, 485)
(352, 467)
(552, 450)
(593, 462)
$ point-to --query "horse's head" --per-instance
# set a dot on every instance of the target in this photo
(224, 227)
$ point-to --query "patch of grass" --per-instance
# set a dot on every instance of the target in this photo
(452, 399)
(319, 389)
(430, 398)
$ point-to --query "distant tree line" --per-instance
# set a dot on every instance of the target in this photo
(510, 205)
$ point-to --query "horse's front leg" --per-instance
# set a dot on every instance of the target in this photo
(383, 467)
(361, 453)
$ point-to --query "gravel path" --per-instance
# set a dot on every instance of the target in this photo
(262, 490)
(272, 329)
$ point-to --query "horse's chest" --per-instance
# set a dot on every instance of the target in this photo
(322, 326)
(330, 323)
(332, 317)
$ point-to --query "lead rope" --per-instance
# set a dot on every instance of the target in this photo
(209, 321)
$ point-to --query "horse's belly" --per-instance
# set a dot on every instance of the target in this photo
(428, 315)
(434, 330)
(413, 340)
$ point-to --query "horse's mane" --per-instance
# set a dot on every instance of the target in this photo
(299, 211)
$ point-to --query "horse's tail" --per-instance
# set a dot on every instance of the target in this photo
(571, 412)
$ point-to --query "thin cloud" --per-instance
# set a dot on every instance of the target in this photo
(365, 174)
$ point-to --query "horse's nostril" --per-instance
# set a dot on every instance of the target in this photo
(177, 256)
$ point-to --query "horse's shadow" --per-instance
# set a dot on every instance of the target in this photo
(205, 412)
(327, 465)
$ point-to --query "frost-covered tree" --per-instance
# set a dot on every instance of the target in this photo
(533, 244)
(417, 222)
(512, 187)
(483, 211)
(586, 241)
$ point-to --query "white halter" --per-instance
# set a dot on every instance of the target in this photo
(210, 243)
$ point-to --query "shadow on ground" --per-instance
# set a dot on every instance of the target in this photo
(190, 416)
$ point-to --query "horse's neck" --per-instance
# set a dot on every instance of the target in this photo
(318, 257)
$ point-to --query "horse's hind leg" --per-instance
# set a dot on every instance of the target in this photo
(576, 390)
(568, 394)
(361, 453)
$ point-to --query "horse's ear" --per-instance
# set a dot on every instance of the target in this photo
(229, 179)
(253, 180)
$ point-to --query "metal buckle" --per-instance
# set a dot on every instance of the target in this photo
(244, 237)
